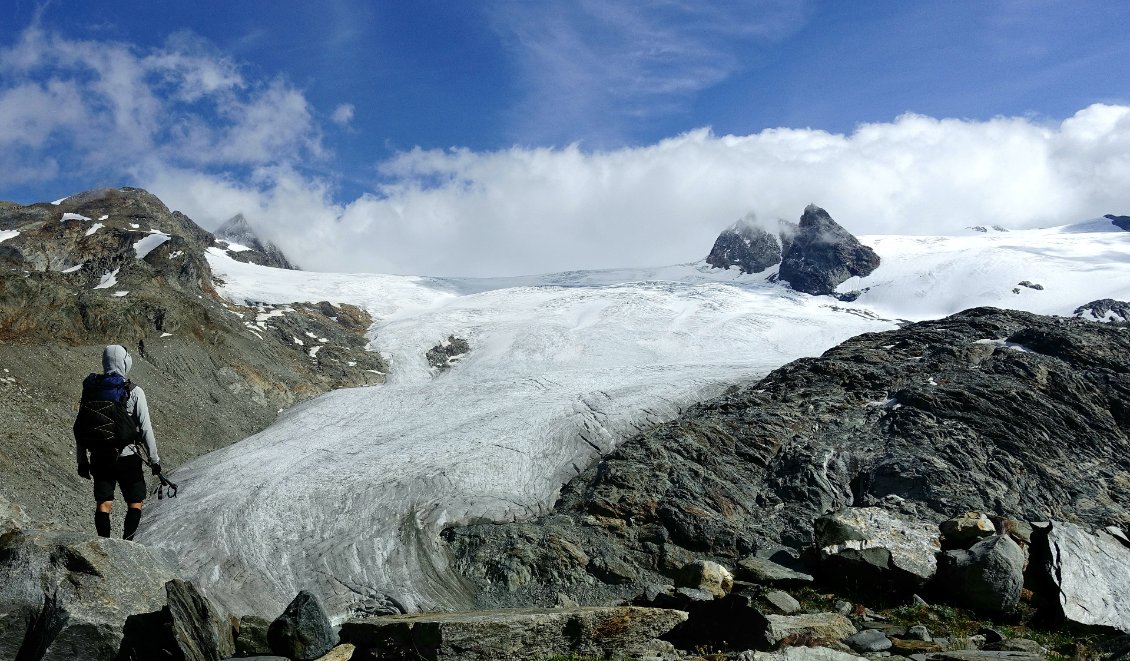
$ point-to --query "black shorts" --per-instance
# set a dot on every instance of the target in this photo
(124, 472)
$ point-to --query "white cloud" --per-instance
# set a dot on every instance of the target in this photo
(343, 114)
(105, 104)
(516, 211)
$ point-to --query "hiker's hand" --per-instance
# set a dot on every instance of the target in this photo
(84, 471)
(156, 468)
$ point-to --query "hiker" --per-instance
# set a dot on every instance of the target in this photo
(113, 419)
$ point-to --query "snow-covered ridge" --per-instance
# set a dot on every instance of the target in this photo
(346, 494)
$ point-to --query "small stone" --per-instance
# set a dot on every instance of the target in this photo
(964, 530)
(706, 575)
(782, 602)
(843, 607)
(991, 635)
(695, 594)
(766, 572)
(564, 601)
(918, 632)
(919, 601)
(869, 640)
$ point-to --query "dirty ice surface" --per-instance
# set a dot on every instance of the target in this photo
(345, 494)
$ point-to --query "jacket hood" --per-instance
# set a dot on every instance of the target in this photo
(115, 358)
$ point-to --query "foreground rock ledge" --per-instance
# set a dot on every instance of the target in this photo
(523, 633)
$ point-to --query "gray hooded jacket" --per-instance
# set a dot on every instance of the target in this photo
(115, 358)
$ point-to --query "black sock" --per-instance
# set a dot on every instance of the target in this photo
(102, 523)
(133, 517)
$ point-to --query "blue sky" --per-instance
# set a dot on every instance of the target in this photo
(406, 119)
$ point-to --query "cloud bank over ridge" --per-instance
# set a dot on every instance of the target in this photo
(520, 210)
(189, 124)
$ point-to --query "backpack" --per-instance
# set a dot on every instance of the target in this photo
(103, 423)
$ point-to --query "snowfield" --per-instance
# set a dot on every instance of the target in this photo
(345, 495)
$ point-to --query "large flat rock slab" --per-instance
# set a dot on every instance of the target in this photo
(1092, 574)
(525, 633)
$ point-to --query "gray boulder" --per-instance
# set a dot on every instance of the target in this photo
(987, 578)
(1089, 574)
(764, 571)
(251, 636)
(501, 635)
(823, 255)
(199, 631)
(65, 595)
(869, 640)
(871, 548)
(818, 626)
(303, 631)
(706, 575)
(782, 602)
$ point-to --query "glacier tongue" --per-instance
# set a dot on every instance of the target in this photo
(346, 494)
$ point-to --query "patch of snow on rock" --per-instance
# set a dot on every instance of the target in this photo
(109, 279)
(73, 216)
(94, 228)
(8, 234)
(149, 243)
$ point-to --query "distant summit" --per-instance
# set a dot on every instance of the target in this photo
(752, 246)
(823, 255)
(1121, 222)
(814, 256)
(244, 245)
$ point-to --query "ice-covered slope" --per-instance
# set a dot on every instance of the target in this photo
(345, 494)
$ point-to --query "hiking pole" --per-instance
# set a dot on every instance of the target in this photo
(166, 487)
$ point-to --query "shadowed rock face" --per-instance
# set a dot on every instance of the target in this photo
(237, 230)
(1121, 222)
(751, 247)
(823, 255)
(989, 410)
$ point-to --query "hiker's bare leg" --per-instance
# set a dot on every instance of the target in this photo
(107, 505)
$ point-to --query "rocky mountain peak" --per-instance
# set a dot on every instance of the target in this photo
(823, 254)
(243, 244)
(752, 245)
(1121, 222)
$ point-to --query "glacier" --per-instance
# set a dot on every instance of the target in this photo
(345, 495)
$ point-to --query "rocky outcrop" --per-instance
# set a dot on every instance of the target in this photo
(1086, 573)
(1105, 310)
(987, 410)
(512, 634)
(70, 596)
(751, 246)
(242, 243)
(444, 355)
(823, 255)
(1121, 222)
(869, 549)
